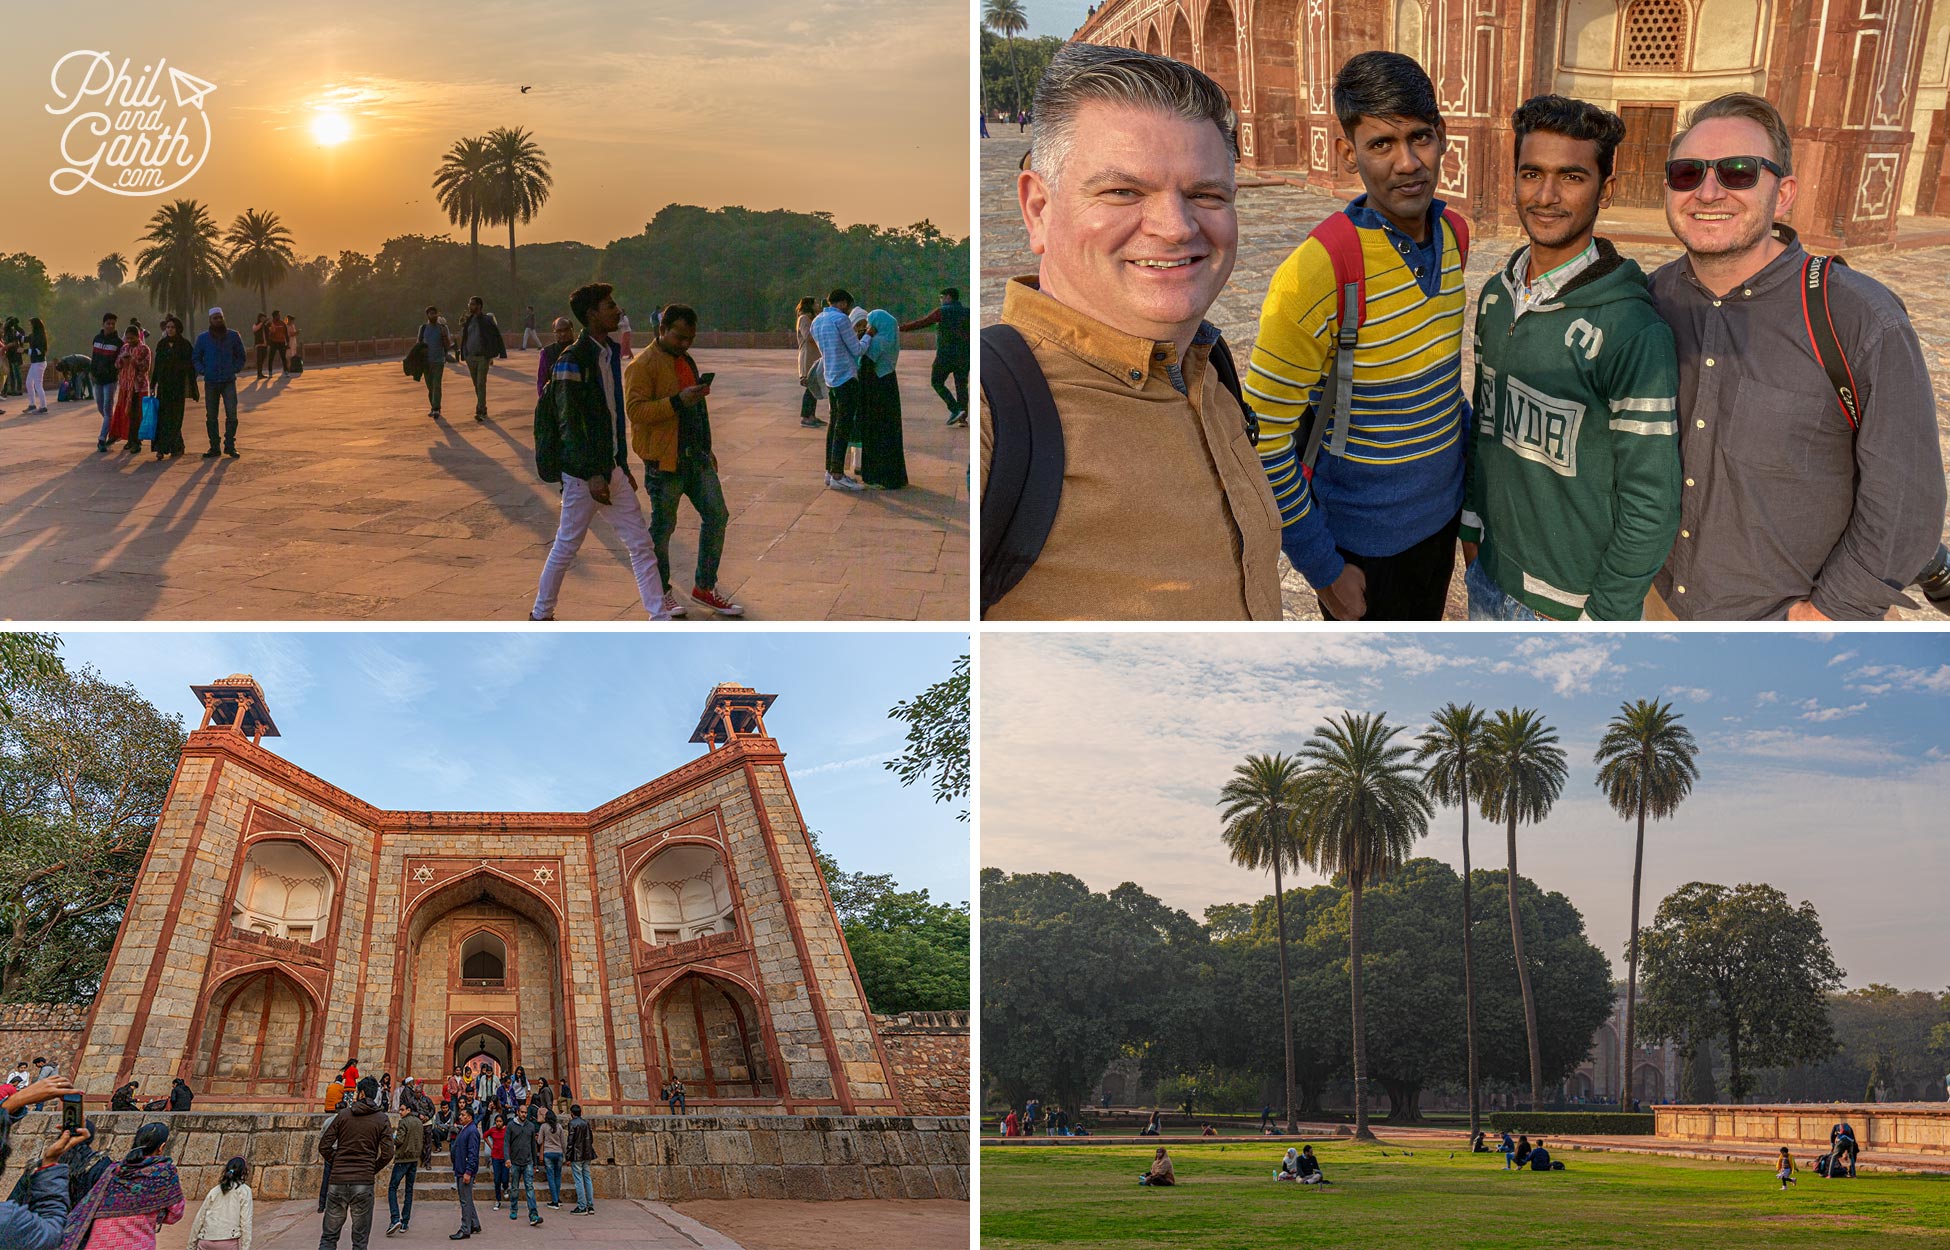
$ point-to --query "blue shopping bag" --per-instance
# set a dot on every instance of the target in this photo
(148, 429)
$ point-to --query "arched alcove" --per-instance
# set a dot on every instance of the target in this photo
(1221, 51)
(283, 890)
(682, 894)
(709, 1034)
(484, 960)
(257, 1033)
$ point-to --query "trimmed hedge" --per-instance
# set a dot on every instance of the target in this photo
(1601, 1123)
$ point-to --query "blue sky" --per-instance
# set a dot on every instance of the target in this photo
(1054, 17)
(479, 721)
(1825, 763)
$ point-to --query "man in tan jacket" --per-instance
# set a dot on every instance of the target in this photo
(1165, 513)
(670, 427)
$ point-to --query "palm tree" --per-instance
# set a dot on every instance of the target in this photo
(1645, 767)
(1363, 809)
(1006, 18)
(1525, 774)
(184, 257)
(112, 270)
(260, 252)
(1451, 756)
(465, 188)
(1259, 812)
(522, 183)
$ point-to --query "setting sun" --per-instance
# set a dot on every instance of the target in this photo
(330, 128)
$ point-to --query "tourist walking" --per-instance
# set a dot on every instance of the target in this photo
(106, 347)
(15, 341)
(223, 1222)
(277, 337)
(219, 358)
(132, 1201)
(565, 334)
(664, 397)
(465, 1156)
(808, 361)
(438, 341)
(554, 1141)
(528, 327)
(497, 1140)
(175, 384)
(409, 1143)
(260, 341)
(580, 441)
(481, 344)
(950, 352)
(883, 460)
(356, 1144)
(580, 1152)
(1784, 1168)
(522, 1157)
(36, 365)
(840, 351)
(297, 362)
(131, 385)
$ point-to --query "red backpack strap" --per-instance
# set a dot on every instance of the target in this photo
(1338, 234)
(1460, 226)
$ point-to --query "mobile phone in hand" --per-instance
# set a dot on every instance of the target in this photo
(71, 1121)
(705, 379)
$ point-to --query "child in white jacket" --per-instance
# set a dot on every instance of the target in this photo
(223, 1222)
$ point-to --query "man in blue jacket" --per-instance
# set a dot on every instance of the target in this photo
(465, 1155)
(218, 358)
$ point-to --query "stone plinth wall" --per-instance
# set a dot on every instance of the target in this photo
(655, 1157)
(1910, 1128)
(928, 1051)
(51, 1030)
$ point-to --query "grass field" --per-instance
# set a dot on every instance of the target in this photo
(1226, 1199)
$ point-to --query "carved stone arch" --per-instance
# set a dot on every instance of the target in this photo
(708, 1029)
(256, 1035)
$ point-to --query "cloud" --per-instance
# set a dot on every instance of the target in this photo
(1919, 680)
(1767, 696)
(1567, 666)
(1694, 694)
(1806, 750)
(834, 766)
(1842, 657)
(1821, 715)
(392, 673)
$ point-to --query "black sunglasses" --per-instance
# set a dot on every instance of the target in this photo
(1736, 173)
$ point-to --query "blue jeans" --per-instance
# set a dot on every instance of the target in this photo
(408, 1172)
(500, 1180)
(585, 1188)
(552, 1161)
(105, 401)
(1489, 601)
(521, 1179)
(667, 489)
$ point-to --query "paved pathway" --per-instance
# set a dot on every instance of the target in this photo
(617, 1224)
(1274, 219)
(349, 503)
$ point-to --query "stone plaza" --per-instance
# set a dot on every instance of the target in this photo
(348, 503)
(1275, 216)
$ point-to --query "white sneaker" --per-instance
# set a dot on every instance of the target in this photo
(673, 605)
(840, 481)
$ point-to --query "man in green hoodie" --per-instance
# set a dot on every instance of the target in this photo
(1572, 500)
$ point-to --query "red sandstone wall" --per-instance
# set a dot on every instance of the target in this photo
(929, 1053)
(52, 1030)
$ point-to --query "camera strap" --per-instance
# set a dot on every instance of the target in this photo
(1821, 335)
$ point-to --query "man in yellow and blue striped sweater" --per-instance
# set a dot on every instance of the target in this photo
(1373, 529)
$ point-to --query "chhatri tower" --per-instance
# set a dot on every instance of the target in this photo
(281, 925)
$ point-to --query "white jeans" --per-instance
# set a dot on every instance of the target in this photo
(36, 393)
(626, 518)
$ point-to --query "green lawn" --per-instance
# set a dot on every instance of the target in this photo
(1226, 1199)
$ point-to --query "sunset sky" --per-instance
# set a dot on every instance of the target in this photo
(857, 109)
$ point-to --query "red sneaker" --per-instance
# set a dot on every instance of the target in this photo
(716, 602)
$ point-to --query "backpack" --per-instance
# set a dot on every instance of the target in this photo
(1026, 465)
(1341, 238)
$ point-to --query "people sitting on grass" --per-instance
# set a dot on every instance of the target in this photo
(1310, 1173)
(1209, 1131)
(1160, 1173)
(1155, 1126)
(1477, 1144)
(1784, 1168)
(1841, 1142)
(1289, 1166)
(1523, 1150)
(1509, 1149)
(1540, 1159)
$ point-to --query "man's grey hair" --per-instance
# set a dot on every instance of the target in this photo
(1082, 74)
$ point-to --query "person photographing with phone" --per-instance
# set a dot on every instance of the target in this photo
(664, 396)
(38, 1223)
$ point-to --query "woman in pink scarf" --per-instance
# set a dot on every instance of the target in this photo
(131, 1201)
(131, 384)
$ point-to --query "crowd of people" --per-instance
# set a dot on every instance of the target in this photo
(1699, 443)
(141, 383)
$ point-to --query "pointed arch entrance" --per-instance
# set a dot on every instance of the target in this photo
(479, 1043)
(708, 1033)
(256, 1037)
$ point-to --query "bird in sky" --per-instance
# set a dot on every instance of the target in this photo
(524, 91)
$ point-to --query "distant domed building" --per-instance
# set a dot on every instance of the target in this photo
(1862, 83)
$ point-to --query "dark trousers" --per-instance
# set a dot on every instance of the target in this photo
(667, 490)
(169, 425)
(1412, 585)
(343, 1202)
(278, 356)
(846, 410)
(808, 406)
(263, 354)
(500, 1180)
(227, 392)
(477, 368)
(946, 368)
(402, 1213)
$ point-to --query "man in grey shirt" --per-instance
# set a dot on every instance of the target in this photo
(480, 344)
(1786, 511)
